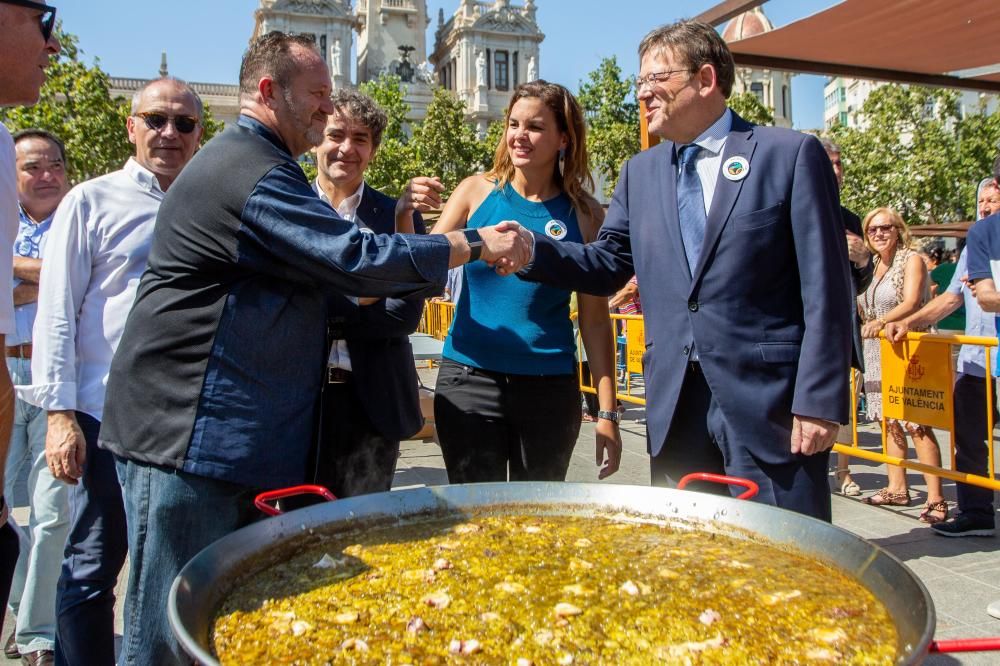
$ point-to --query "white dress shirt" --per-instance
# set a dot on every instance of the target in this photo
(348, 209)
(709, 160)
(96, 252)
(8, 229)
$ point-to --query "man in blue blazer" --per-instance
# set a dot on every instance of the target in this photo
(370, 400)
(735, 234)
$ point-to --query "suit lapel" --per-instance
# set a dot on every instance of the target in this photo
(739, 142)
(666, 177)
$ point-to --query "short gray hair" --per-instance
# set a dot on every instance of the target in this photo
(362, 108)
(829, 146)
(697, 44)
(270, 55)
(180, 83)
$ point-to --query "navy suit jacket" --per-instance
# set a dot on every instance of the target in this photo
(768, 306)
(385, 376)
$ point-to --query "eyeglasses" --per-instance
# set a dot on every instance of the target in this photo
(656, 77)
(46, 22)
(157, 121)
(875, 230)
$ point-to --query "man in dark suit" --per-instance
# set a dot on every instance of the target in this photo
(735, 234)
(370, 399)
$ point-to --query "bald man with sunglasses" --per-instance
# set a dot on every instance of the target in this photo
(96, 252)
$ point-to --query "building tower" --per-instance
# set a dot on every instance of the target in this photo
(330, 22)
(483, 51)
(772, 88)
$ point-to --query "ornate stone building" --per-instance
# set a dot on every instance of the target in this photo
(772, 88)
(483, 51)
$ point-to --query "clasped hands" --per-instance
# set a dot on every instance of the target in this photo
(507, 247)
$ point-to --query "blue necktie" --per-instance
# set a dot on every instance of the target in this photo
(690, 204)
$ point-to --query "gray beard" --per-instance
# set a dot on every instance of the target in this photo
(313, 136)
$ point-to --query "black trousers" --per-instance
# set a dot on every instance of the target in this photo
(970, 444)
(492, 424)
(353, 457)
(702, 440)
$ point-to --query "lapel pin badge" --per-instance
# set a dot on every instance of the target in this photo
(736, 168)
(555, 229)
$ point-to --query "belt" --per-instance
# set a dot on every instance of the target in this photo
(337, 375)
(19, 351)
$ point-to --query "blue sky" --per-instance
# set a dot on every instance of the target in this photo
(204, 39)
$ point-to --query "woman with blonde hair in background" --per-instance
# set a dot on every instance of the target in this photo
(899, 288)
(507, 401)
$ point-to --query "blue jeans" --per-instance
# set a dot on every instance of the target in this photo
(33, 590)
(95, 553)
(172, 515)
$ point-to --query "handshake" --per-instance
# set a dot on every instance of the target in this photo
(507, 246)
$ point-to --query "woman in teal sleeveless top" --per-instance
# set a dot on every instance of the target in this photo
(507, 402)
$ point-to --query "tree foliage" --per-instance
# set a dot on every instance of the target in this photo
(612, 113)
(76, 105)
(751, 109)
(444, 145)
(915, 152)
(393, 164)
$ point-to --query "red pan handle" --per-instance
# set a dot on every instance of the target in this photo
(966, 645)
(262, 500)
(751, 488)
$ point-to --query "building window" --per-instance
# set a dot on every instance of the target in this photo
(513, 66)
(322, 45)
(501, 70)
(843, 118)
(784, 101)
(489, 70)
(843, 94)
(757, 88)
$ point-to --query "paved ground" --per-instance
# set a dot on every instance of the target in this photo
(962, 575)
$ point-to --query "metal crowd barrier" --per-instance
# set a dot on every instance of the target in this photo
(919, 374)
(904, 376)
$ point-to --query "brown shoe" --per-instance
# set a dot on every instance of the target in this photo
(39, 658)
(10, 647)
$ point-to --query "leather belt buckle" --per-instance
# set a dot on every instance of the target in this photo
(337, 375)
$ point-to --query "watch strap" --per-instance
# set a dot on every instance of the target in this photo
(475, 242)
(609, 415)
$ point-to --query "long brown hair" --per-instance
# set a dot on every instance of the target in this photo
(575, 179)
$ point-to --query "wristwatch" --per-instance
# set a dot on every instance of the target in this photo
(475, 242)
(611, 415)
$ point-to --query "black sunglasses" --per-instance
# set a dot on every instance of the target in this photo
(47, 21)
(157, 121)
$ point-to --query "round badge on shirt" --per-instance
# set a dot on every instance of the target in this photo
(736, 168)
(555, 229)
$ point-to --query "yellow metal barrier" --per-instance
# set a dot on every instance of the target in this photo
(437, 319)
(941, 414)
(630, 346)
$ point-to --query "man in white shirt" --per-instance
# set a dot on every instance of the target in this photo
(94, 257)
(41, 185)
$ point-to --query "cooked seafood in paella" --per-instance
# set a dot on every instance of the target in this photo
(509, 589)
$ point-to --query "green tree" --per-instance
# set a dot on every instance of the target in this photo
(393, 164)
(612, 114)
(751, 109)
(76, 105)
(488, 144)
(914, 152)
(444, 144)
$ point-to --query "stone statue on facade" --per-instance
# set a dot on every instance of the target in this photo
(481, 69)
(532, 69)
(335, 56)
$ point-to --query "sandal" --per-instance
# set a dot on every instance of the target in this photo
(587, 418)
(934, 512)
(886, 497)
(848, 487)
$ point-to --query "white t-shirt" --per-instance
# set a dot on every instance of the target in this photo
(8, 229)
